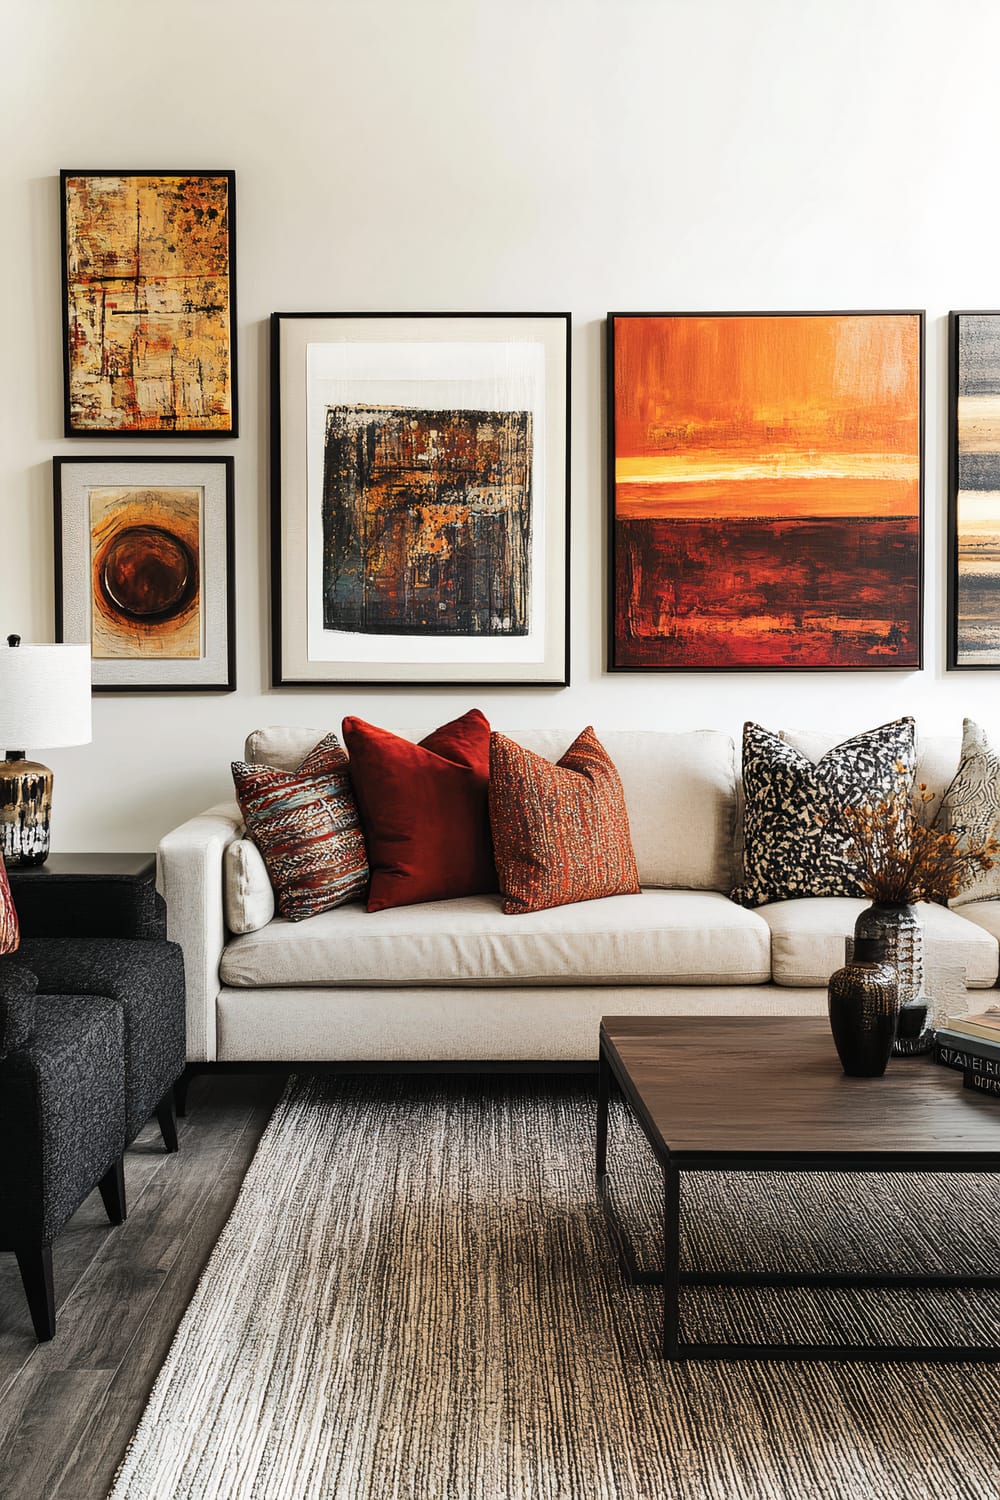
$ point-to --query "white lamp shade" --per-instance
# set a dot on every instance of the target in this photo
(44, 696)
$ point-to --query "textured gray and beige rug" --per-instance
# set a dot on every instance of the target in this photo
(415, 1300)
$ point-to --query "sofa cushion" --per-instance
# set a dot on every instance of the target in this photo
(423, 810)
(247, 892)
(807, 939)
(660, 937)
(972, 808)
(680, 793)
(937, 755)
(795, 841)
(985, 914)
(305, 824)
(560, 832)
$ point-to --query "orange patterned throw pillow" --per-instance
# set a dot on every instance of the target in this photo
(305, 824)
(10, 935)
(560, 832)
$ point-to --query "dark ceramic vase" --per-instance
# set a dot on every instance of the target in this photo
(864, 1005)
(903, 933)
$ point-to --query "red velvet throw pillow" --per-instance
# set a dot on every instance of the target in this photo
(10, 932)
(305, 824)
(560, 832)
(424, 810)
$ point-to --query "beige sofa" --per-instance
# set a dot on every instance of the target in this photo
(458, 981)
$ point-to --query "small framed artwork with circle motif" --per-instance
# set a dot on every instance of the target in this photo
(144, 562)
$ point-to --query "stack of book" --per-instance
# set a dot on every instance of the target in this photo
(972, 1043)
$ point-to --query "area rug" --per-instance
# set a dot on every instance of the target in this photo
(415, 1299)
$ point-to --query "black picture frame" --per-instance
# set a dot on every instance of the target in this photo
(435, 348)
(79, 384)
(914, 657)
(75, 479)
(956, 593)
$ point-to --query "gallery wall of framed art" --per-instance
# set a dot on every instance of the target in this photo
(420, 498)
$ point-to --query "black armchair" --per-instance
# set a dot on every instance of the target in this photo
(106, 935)
(62, 1121)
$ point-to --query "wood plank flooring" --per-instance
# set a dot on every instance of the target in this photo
(68, 1408)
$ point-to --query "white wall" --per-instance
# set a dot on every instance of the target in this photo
(494, 155)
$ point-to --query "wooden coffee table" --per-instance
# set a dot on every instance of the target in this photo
(746, 1095)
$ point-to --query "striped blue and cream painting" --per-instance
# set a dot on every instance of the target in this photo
(977, 602)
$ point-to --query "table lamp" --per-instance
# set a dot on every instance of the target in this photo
(44, 701)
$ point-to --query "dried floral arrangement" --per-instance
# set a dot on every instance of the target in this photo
(901, 855)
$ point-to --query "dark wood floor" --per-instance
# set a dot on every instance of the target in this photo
(68, 1408)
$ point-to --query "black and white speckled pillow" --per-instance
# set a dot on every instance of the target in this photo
(972, 806)
(794, 844)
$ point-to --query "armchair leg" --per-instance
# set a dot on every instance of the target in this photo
(167, 1119)
(181, 1090)
(35, 1265)
(112, 1189)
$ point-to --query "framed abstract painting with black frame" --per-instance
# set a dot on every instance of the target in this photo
(974, 491)
(144, 570)
(766, 490)
(149, 303)
(420, 498)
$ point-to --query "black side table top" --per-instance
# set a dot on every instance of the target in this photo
(136, 866)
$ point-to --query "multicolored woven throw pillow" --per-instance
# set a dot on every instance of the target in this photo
(423, 810)
(305, 823)
(795, 843)
(560, 832)
(10, 933)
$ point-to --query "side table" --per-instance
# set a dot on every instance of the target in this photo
(88, 895)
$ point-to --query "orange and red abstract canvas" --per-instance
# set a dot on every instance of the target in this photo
(148, 307)
(766, 490)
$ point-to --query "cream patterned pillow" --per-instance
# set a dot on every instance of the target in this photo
(971, 806)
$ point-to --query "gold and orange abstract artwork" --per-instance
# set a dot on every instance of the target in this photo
(145, 558)
(766, 490)
(148, 308)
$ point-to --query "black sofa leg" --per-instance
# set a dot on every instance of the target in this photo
(181, 1090)
(112, 1189)
(167, 1118)
(35, 1265)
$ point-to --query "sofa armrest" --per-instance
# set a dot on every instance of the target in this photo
(189, 875)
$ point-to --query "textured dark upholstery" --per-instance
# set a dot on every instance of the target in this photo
(62, 1115)
(18, 986)
(91, 906)
(146, 981)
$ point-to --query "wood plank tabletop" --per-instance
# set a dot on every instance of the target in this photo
(742, 1086)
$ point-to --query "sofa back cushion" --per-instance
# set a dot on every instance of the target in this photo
(937, 755)
(680, 793)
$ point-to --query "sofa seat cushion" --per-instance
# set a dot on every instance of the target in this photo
(985, 914)
(807, 939)
(658, 937)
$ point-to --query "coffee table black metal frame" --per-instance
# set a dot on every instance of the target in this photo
(670, 1277)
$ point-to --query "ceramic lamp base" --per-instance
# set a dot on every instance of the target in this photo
(25, 811)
